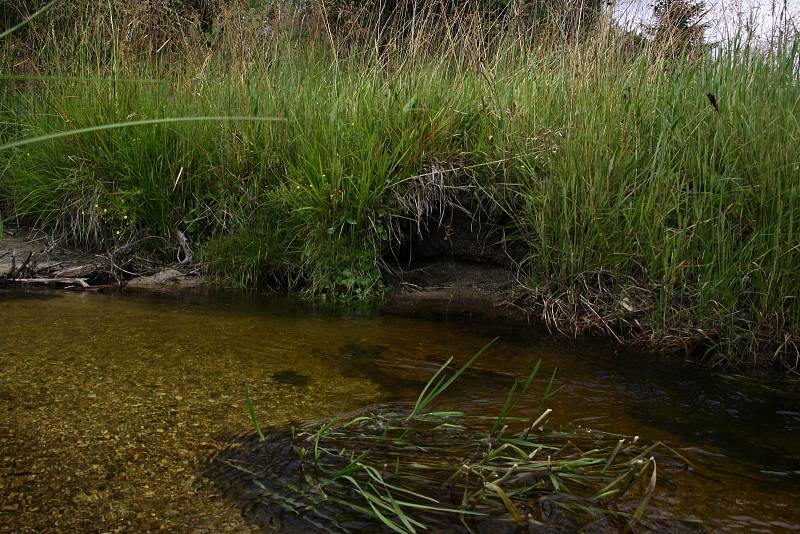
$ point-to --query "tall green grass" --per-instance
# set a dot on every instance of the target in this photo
(645, 212)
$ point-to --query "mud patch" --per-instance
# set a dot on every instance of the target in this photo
(452, 288)
(454, 262)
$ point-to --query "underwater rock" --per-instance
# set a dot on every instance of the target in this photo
(291, 378)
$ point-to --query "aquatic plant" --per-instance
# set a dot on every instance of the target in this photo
(409, 468)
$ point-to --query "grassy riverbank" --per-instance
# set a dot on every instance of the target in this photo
(641, 210)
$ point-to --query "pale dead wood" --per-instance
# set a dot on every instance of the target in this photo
(188, 254)
(60, 281)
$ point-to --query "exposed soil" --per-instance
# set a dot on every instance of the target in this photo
(451, 288)
(167, 280)
(456, 266)
(457, 236)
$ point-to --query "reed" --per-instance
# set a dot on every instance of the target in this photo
(408, 468)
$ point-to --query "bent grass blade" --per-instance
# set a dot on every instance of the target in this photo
(129, 124)
(29, 19)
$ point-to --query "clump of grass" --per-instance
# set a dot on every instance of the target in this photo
(639, 210)
(407, 468)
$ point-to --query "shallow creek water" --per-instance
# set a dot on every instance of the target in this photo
(109, 403)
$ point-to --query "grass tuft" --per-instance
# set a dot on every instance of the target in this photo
(638, 207)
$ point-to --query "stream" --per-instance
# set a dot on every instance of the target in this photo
(110, 403)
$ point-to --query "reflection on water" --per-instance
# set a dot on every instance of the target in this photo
(302, 361)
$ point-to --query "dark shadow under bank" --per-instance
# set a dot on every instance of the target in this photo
(452, 267)
(468, 290)
(458, 265)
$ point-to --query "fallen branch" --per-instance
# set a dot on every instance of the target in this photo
(25, 264)
(61, 281)
(183, 242)
(77, 271)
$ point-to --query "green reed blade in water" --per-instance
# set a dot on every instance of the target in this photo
(512, 401)
(252, 411)
(651, 488)
(427, 397)
(498, 423)
(400, 468)
(613, 455)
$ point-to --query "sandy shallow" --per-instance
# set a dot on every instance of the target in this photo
(113, 440)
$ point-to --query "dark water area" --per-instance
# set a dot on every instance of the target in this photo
(129, 362)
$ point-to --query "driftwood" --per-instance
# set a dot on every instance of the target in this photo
(25, 264)
(184, 249)
(124, 251)
(33, 265)
(56, 281)
(78, 271)
(27, 260)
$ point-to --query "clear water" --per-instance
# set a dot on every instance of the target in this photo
(162, 375)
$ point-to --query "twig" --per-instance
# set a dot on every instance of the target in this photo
(13, 272)
(112, 267)
(25, 263)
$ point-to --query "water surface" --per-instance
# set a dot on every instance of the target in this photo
(110, 402)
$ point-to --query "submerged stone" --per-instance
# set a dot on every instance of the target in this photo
(291, 378)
